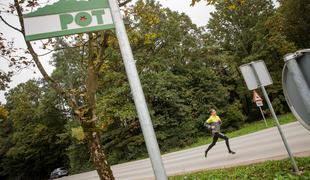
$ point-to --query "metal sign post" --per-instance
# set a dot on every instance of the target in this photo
(256, 75)
(136, 88)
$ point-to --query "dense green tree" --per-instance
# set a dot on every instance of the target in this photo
(234, 26)
(35, 148)
(294, 14)
(6, 129)
(3, 113)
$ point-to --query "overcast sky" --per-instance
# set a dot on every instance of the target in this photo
(199, 14)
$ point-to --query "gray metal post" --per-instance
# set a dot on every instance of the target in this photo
(280, 130)
(138, 95)
(300, 82)
(260, 108)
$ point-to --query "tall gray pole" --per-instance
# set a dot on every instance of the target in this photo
(280, 130)
(138, 96)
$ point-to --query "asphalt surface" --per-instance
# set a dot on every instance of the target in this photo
(251, 148)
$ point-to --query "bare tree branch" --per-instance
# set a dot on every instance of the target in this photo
(58, 49)
(120, 4)
(5, 22)
(5, 58)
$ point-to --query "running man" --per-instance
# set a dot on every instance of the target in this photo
(215, 122)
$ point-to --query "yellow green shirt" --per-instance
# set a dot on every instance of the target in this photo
(213, 119)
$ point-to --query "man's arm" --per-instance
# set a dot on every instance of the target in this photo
(206, 122)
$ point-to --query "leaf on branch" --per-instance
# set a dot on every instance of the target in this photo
(78, 133)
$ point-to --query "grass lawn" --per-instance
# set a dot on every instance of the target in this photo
(246, 129)
(273, 170)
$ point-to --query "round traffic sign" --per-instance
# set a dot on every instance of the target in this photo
(293, 97)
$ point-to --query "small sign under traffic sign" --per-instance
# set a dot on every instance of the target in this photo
(256, 97)
(259, 103)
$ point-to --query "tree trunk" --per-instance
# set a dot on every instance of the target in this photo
(97, 155)
(89, 119)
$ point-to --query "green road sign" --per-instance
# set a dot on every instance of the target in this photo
(67, 17)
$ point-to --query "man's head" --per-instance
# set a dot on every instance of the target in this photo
(213, 112)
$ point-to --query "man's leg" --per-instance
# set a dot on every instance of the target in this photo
(223, 136)
(215, 138)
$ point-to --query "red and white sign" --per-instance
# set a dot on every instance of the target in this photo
(257, 99)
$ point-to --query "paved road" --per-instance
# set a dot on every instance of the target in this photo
(255, 147)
